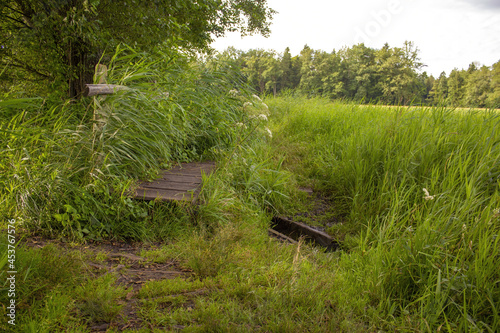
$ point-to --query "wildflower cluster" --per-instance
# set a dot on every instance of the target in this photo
(254, 110)
(427, 195)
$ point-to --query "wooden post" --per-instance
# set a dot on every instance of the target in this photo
(100, 88)
(101, 74)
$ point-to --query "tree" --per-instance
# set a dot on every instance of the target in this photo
(272, 73)
(426, 82)
(256, 63)
(456, 87)
(286, 70)
(331, 70)
(307, 84)
(439, 92)
(360, 77)
(60, 41)
(494, 96)
(478, 88)
(398, 73)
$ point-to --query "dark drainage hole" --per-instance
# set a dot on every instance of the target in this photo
(293, 231)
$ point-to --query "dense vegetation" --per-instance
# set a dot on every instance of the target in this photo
(390, 75)
(421, 187)
(414, 191)
(54, 45)
(416, 197)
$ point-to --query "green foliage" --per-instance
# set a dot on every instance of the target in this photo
(68, 166)
(478, 88)
(390, 75)
(420, 189)
(411, 259)
(494, 96)
(54, 45)
(39, 273)
(97, 300)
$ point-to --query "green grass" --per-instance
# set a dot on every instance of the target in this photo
(434, 259)
(411, 260)
(68, 165)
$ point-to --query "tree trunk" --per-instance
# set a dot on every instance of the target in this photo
(81, 64)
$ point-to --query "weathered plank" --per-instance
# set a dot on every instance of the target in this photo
(297, 230)
(102, 89)
(280, 236)
(166, 185)
(191, 169)
(167, 177)
(180, 183)
(165, 195)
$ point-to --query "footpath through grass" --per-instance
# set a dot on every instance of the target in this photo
(411, 260)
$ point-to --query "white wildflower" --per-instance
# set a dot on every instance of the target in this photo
(257, 98)
(241, 125)
(233, 92)
(269, 132)
(247, 104)
(496, 212)
(262, 117)
(264, 105)
(427, 195)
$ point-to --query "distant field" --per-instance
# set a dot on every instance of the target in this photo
(430, 107)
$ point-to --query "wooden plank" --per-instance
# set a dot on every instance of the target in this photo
(281, 236)
(165, 195)
(102, 89)
(181, 183)
(180, 178)
(192, 169)
(297, 229)
(167, 185)
(190, 172)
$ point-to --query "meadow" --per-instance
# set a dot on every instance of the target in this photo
(414, 191)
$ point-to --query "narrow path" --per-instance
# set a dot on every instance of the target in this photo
(131, 270)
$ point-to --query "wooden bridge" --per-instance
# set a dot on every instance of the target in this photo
(181, 183)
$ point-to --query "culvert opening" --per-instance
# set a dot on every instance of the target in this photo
(291, 231)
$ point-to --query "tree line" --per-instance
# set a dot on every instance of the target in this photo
(389, 75)
(54, 45)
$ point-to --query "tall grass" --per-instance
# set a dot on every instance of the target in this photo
(420, 186)
(68, 164)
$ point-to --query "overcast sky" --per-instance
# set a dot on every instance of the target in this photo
(449, 33)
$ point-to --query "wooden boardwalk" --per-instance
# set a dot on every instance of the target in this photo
(181, 183)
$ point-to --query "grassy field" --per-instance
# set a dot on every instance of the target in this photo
(416, 205)
(419, 193)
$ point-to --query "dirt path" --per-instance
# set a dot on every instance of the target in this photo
(131, 269)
